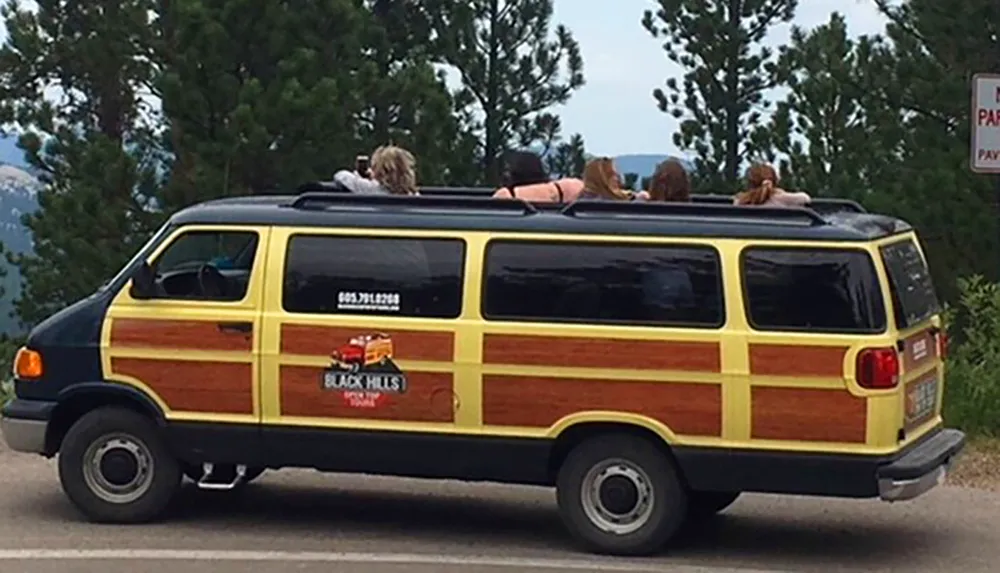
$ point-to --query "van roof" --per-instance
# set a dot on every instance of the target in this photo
(324, 204)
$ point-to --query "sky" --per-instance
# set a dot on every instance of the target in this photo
(615, 111)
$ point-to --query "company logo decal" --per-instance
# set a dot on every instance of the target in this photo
(363, 372)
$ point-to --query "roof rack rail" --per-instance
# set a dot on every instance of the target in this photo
(700, 209)
(455, 191)
(818, 204)
(318, 200)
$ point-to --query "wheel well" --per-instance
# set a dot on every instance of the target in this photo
(577, 433)
(74, 407)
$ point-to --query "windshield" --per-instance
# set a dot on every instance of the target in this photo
(151, 243)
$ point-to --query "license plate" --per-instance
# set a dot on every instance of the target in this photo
(921, 399)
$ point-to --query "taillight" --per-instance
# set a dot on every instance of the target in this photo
(942, 340)
(877, 368)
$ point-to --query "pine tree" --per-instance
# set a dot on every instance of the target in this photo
(925, 75)
(828, 142)
(721, 96)
(510, 69)
(96, 163)
(259, 96)
(406, 102)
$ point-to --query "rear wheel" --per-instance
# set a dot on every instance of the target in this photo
(621, 495)
(115, 467)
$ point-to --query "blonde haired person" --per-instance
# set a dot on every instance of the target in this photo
(393, 171)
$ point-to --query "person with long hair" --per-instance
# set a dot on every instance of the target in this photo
(670, 183)
(764, 190)
(524, 177)
(393, 171)
(601, 181)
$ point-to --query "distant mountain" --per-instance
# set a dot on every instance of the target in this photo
(644, 164)
(18, 195)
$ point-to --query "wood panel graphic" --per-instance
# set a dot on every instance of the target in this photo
(428, 398)
(540, 402)
(363, 379)
(610, 353)
(194, 386)
(177, 335)
(807, 414)
(797, 360)
(308, 340)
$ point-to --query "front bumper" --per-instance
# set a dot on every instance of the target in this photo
(24, 425)
(920, 469)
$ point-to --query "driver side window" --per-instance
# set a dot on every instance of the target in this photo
(206, 265)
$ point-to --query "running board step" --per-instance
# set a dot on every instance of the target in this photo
(207, 469)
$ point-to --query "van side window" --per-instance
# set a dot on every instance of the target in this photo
(611, 283)
(335, 274)
(206, 265)
(815, 290)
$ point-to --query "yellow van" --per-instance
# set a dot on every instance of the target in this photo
(651, 361)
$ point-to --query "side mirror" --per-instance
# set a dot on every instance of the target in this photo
(143, 282)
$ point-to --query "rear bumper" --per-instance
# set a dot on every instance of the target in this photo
(25, 424)
(921, 468)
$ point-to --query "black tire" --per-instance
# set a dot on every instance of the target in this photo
(704, 504)
(224, 471)
(667, 510)
(136, 431)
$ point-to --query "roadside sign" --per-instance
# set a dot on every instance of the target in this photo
(985, 151)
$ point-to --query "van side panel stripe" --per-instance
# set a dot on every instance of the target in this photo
(194, 386)
(428, 345)
(808, 414)
(428, 398)
(795, 360)
(540, 402)
(176, 335)
(605, 353)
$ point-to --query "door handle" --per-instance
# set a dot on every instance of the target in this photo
(241, 327)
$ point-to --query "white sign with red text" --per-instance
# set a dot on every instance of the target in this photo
(985, 155)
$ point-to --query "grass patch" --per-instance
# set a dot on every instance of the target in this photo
(978, 466)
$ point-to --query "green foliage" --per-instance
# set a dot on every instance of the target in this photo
(720, 98)
(823, 129)
(972, 400)
(511, 70)
(96, 158)
(257, 95)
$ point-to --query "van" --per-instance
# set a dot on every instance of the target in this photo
(651, 361)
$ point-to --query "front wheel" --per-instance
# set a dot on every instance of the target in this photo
(115, 467)
(620, 495)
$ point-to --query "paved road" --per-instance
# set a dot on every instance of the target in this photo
(305, 522)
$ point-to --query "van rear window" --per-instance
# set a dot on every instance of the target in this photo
(913, 294)
(812, 290)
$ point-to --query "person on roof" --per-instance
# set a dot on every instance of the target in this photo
(525, 178)
(393, 171)
(602, 182)
(764, 190)
(670, 183)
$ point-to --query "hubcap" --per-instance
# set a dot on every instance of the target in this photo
(617, 496)
(118, 468)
